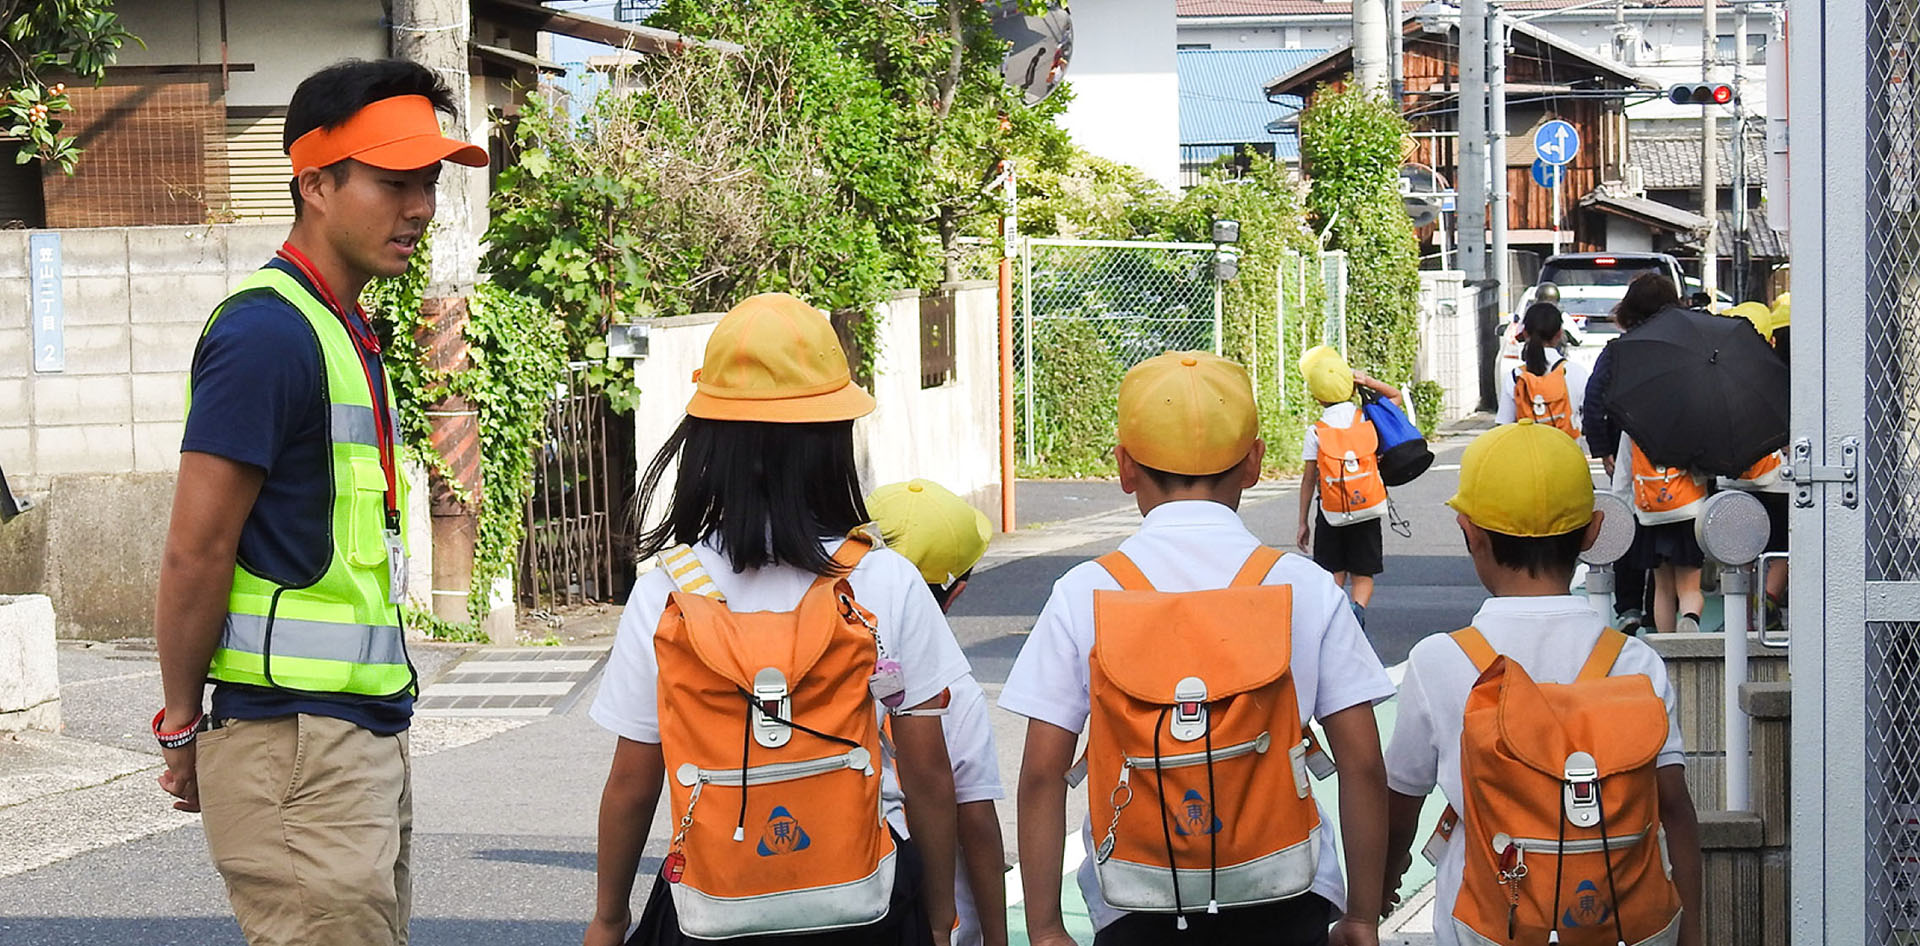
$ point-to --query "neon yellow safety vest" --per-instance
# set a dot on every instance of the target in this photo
(339, 634)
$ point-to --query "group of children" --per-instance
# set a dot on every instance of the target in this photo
(787, 674)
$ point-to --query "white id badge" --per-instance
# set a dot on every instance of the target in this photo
(396, 569)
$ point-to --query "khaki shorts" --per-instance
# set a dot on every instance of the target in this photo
(310, 820)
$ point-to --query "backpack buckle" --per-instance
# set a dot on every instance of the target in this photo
(1580, 791)
(771, 703)
(1189, 710)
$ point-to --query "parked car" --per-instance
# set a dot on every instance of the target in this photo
(1588, 285)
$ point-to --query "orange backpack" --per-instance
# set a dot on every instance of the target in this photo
(1762, 474)
(772, 743)
(1349, 469)
(1562, 826)
(1197, 770)
(1664, 489)
(1545, 398)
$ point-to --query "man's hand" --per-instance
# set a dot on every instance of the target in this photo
(607, 931)
(1056, 936)
(180, 779)
(1354, 931)
(1306, 536)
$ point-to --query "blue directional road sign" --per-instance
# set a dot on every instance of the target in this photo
(1556, 142)
(1548, 175)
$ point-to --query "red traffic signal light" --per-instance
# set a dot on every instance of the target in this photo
(1700, 93)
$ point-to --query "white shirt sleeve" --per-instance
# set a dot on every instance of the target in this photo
(1349, 673)
(1577, 380)
(1310, 446)
(1412, 756)
(1050, 679)
(628, 704)
(1503, 393)
(1638, 657)
(914, 629)
(969, 731)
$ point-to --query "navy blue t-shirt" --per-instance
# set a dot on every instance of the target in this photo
(259, 398)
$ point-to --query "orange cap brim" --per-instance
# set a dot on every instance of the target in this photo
(846, 403)
(401, 133)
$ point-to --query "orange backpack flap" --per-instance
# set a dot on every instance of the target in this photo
(1664, 489)
(772, 748)
(1562, 826)
(1349, 467)
(1545, 398)
(1196, 763)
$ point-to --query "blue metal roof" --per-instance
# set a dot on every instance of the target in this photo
(1221, 102)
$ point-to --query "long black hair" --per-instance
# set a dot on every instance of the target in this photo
(1542, 324)
(1646, 297)
(768, 493)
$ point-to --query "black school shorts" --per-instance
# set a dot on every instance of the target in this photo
(1357, 548)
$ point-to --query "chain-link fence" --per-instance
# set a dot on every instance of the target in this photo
(1893, 468)
(1088, 311)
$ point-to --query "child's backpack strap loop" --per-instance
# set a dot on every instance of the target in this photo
(1475, 644)
(1124, 571)
(683, 566)
(1606, 650)
(1254, 572)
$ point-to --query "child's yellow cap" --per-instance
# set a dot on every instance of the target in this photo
(936, 530)
(1188, 412)
(1329, 380)
(775, 358)
(1525, 479)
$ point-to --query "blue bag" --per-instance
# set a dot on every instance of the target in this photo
(1403, 452)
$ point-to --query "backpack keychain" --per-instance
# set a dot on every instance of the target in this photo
(887, 683)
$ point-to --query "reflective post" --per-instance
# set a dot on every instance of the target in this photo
(1736, 582)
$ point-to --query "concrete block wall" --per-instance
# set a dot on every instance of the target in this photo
(135, 299)
(1696, 665)
(29, 666)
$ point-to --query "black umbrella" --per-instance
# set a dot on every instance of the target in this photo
(1700, 392)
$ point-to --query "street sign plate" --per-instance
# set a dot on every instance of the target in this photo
(1547, 175)
(1556, 142)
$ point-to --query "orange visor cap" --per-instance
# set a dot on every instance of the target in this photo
(399, 134)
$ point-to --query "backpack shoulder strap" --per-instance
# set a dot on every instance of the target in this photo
(1606, 650)
(688, 575)
(1477, 649)
(1124, 571)
(1254, 572)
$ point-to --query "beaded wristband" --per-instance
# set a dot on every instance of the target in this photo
(175, 740)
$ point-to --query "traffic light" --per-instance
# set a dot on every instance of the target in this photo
(1700, 93)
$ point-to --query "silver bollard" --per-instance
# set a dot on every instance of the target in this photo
(1732, 529)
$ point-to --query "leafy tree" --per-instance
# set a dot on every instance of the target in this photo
(51, 39)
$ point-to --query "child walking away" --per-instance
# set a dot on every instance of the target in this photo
(1666, 501)
(1192, 656)
(1547, 388)
(944, 538)
(752, 664)
(1343, 470)
(1553, 738)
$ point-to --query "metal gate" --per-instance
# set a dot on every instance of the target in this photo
(1091, 309)
(572, 551)
(1856, 525)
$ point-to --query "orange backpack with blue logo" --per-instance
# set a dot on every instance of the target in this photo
(771, 738)
(1562, 804)
(1196, 765)
(1349, 469)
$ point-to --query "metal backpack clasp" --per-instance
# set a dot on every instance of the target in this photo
(1189, 710)
(772, 702)
(1580, 790)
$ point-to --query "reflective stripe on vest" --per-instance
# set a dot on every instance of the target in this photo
(334, 632)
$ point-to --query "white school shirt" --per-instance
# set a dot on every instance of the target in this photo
(1550, 637)
(909, 621)
(1341, 415)
(1194, 546)
(1576, 389)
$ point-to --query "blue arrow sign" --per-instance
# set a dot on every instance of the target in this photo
(1548, 175)
(1556, 142)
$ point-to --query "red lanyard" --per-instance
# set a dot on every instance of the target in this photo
(368, 346)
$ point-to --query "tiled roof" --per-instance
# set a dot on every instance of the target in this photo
(1329, 7)
(1672, 162)
(1221, 101)
(1763, 241)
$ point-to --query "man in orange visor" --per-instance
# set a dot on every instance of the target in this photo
(286, 560)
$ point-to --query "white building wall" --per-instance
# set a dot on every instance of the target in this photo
(1625, 236)
(284, 40)
(1126, 89)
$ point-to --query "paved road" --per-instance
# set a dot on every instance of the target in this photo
(506, 808)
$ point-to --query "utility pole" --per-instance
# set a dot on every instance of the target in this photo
(1500, 266)
(1397, 54)
(1370, 44)
(1709, 153)
(1742, 252)
(1472, 180)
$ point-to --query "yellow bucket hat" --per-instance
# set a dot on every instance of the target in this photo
(1783, 311)
(1525, 479)
(1188, 412)
(1329, 380)
(1755, 312)
(774, 358)
(936, 530)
